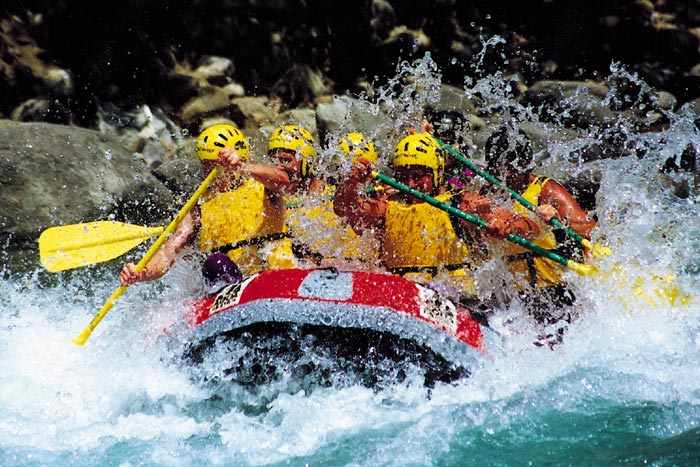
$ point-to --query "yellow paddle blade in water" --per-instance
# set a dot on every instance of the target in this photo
(660, 290)
(645, 288)
(73, 246)
(596, 249)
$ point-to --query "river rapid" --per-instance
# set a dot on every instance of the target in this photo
(623, 388)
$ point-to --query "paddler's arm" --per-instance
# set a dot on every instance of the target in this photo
(568, 211)
(501, 222)
(275, 179)
(164, 258)
(425, 126)
(361, 212)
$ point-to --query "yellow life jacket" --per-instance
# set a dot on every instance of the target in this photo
(319, 232)
(421, 244)
(248, 225)
(526, 265)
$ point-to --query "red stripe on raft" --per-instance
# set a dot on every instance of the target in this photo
(368, 289)
(282, 283)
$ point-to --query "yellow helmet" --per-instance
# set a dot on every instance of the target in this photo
(420, 149)
(217, 137)
(296, 139)
(357, 145)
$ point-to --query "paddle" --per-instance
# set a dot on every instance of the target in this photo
(83, 337)
(597, 250)
(73, 246)
(583, 269)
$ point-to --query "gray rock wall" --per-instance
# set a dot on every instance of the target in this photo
(62, 57)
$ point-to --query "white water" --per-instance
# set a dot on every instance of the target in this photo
(119, 398)
(623, 389)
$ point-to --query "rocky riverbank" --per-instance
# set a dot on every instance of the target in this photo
(62, 59)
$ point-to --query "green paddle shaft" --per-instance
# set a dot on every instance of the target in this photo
(580, 268)
(514, 194)
(83, 337)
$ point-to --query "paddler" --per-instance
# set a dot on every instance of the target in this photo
(451, 126)
(321, 232)
(319, 237)
(509, 157)
(240, 220)
(419, 241)
(292, 148)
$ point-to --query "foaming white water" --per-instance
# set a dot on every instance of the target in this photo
(56, 395)
(123, 388)
(122, 391)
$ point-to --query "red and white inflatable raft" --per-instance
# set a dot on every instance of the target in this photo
(383, 310)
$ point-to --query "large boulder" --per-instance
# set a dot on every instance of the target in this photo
(55, 175)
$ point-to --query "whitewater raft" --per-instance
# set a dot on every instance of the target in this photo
(324, 321)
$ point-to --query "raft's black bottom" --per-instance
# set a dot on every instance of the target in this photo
(316, 355)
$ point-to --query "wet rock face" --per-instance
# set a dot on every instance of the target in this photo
(57, 174)
(78, 52)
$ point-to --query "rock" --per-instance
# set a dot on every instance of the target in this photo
(59, 82)
(181, 174)
(344, 114)
(212, 100)
(304, 51)
(666, 100)
(214, 70)
(234, 90)
(54, 175)
(454, 98)
(41, 110)
(542, 89)
(255, 112)
(579, 103)
(146, 132)
(301, 84)
(383, 18)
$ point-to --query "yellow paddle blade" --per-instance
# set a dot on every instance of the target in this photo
(645, 288)
(77, 245)
(582, 269)
(660, 290)
(597, 250)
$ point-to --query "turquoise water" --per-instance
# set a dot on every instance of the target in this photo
(623, 389)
